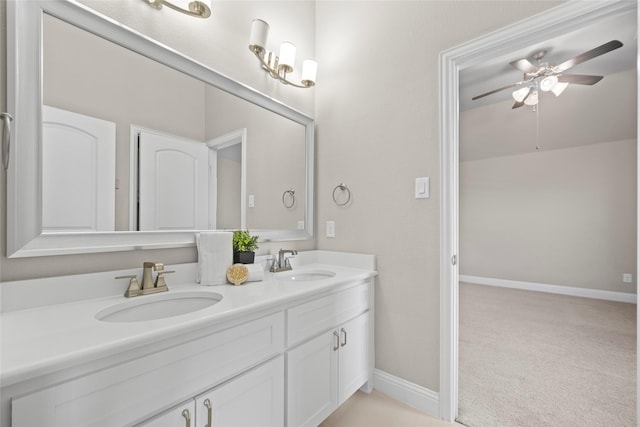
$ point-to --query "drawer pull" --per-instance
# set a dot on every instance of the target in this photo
(207, 403)
(335, 334)
(187, 416)
(344, 334)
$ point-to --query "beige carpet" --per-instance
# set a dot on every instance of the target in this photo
(538, 359)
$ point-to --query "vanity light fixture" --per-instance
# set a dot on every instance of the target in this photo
(197, 8)
(279, 66)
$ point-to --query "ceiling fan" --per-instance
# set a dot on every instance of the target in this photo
(547, 77)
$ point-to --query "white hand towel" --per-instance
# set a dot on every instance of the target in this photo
(256, 272)
(215, 255)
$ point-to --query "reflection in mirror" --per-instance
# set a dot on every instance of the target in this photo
(74, 189)
(168, 187)
(275, 159)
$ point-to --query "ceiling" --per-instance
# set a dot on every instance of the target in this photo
(606, 111)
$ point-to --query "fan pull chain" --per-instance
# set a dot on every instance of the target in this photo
(536, 108)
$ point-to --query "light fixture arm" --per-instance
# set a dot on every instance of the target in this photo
(197, 8)
(277, 72)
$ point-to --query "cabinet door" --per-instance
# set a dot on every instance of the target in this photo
(312, 380)
(354, 356)
(253, 399)
(182, 415)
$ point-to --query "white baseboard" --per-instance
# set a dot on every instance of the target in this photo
(411, 394)
(554, 289)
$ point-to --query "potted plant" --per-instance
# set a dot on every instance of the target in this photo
(244, 247)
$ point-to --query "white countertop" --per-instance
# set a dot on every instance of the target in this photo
(41, 340)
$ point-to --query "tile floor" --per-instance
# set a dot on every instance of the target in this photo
(378, 410)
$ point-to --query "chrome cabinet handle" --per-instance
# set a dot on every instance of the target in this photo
(344, 342)
(207, 403)
(187, 416)
(335, 334)
(6, 139)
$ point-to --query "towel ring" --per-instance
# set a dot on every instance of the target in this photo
(342, 187)
(6, 138)
(292, 194)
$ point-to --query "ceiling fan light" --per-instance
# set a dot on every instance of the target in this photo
(559, 88)
(519, 94)
(532, 99)
(548, 83)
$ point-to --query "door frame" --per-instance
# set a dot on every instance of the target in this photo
(216, 144)
(554, 22)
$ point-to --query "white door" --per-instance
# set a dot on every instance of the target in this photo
(173, 183)
(78, 172)
(312, 372)
(354, 356)
(254, 399)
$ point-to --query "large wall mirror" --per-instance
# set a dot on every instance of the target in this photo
(121, 143)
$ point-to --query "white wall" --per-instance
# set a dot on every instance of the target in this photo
(377, 115)
(563, 217)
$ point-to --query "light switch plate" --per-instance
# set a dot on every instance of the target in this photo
(422, 188)
(252, 201)
(331, 229)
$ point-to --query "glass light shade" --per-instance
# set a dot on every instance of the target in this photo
(548, 83)
(532, 99)
(559, 88)
(519, 94)
(259, 35)
(309, 72)
(287, 56)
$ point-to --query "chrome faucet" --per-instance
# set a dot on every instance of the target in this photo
(281, 263)
(148, 286)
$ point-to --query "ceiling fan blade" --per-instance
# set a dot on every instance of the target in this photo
(524, 65)
(579, 79)
(590, 54)
(496, 90)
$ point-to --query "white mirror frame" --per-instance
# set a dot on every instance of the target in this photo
(24, 103)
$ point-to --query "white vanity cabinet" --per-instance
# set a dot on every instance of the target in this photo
(291, 362)
(328, 368)
(255, 398)
(133, 391)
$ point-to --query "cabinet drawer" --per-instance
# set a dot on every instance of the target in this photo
(130, 392)
(307, 320)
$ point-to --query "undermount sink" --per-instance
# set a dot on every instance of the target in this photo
(159, 306)
(305, 275)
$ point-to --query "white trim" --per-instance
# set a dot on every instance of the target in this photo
(407, 392)
(552, 289)
(551, 23)
(238, 136)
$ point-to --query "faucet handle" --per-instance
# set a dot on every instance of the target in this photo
(134, 288)
(160, 282)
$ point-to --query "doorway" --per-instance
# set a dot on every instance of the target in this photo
(555, 22)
